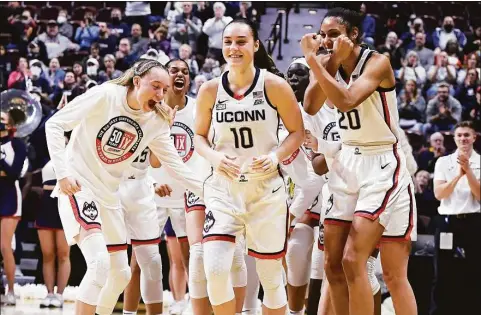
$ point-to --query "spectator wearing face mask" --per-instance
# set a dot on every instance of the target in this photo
(110, 72)
(213, 28)
(64, 27)
(106, 41)
(55, 73)
(392, 49)
(427, 157)
(138, 43)
(118, 28)
(87, 32)
(55, 43)
(412, 69)
(92, 69)
(447, 32)
(94, 54)
(38, 77)
(63, 89)
(426, 55)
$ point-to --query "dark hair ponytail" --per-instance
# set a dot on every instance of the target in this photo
(262, 59)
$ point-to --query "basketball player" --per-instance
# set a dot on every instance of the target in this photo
(244, 194)
(112, 124)
(143, 230)
(369, 181)
(52, 241)
(12, 158)
(307, 189)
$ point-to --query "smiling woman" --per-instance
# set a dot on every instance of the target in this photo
(113, 123)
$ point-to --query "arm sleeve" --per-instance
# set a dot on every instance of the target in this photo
(68, 118)
(163, 148)
(14, 171)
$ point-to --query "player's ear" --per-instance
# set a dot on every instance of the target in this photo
(354, 34)
(136, 81)
(256, 46)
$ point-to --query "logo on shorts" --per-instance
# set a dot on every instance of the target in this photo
(90, 210)
(118, 139)
(330, 203)
(183, 138)
(321, 234)
(242, 178)
(192, 199)
(357, 151)
(385, 165)
(209, 222)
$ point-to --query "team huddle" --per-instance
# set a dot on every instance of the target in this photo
(273, 182)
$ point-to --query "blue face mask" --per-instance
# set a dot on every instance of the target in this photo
(3, 126)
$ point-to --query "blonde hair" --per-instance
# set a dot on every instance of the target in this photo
(141, 68)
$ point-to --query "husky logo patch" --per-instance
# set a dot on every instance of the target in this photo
(192, 199)
(90, 210)
(209, 222)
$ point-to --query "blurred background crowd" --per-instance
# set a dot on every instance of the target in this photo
(58, 50)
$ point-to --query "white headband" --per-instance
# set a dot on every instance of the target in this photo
(302, 61)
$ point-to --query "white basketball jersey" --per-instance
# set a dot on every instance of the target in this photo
(324, 126)
(139, 167)
(182, 135)
(244, 127)
(374, 121)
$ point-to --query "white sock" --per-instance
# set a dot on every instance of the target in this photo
(301, 312)
(129, 313)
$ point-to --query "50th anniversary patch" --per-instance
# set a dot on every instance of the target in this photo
(116, 141)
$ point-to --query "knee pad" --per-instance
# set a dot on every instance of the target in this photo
(299, 254)
(97, 258)
(118, 278)
(239, 268)
(197, 279)
(149, 260)
(218, 258)
(371, 275)
(152, 291)
(317, 265)
(252, 291)
(270, 275)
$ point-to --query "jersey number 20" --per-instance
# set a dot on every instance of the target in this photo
(246, 139)
(354, 122)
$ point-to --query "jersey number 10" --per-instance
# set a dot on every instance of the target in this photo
(246, 139)
(354, 121)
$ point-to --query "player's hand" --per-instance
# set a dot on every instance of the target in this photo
(226, 165)
(163, 190)
(69, 186)
(342, 48)
(265, 163)
(311, 141)
(310, 44)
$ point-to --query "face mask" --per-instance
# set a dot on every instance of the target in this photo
(417, 27)
(3, 126)
(61, 19)
(36, 71)
(92, 70)
(116, 20)
(448, 28)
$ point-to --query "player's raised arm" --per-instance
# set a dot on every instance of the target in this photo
(281, 96)
(344, 98)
